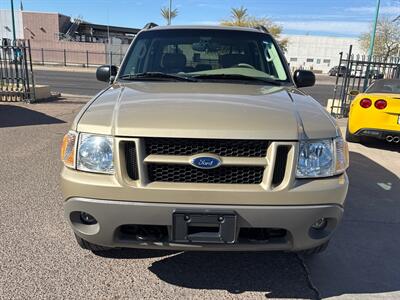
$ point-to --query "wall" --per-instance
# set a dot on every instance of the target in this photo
(118, 51)
(76, 52)
(6, 24)
(64, 22)
(41, 26)
(322, 50)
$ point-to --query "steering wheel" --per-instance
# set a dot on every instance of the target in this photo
(243, 65)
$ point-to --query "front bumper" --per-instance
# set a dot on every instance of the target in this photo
(296, 221)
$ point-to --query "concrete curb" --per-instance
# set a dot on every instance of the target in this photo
(76, 96)
(91, 70)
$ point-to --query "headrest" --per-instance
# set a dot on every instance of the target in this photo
(230, 60)
(387, 88)
(174, 61)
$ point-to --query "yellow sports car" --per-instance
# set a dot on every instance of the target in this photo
(376, 112)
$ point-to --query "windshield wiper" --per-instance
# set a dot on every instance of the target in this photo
(236, 77)
(156, 75)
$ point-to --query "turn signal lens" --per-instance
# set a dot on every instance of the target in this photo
(365, 103)
(68, 149)
(380, 104)
(342, 155)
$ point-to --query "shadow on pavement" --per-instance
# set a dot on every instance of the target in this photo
(382, 145)
(364, 256)
(132, 253)
(278, 275)
(13, 116)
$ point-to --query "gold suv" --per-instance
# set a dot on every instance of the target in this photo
(202, 141)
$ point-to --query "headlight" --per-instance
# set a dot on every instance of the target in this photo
(95, 154)
(322, 158)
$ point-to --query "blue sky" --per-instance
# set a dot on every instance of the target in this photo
(315, 17)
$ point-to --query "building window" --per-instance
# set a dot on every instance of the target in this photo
(310, 59)
(293, 59)
(318, 61)
(327, 61)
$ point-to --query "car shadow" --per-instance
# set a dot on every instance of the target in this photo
(132, 253)
(14, 116)
(383, 145)
(364, 256)
(275, 274)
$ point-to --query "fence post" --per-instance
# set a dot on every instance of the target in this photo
(87, 58)
(346, 81)
(42, 56)
(65, 57)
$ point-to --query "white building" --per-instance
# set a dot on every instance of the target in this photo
(318, 53)
(6, 30)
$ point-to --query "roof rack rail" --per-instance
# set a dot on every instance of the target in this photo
(261, 28)
(150, 25)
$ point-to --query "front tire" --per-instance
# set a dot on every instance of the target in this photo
(89, 246)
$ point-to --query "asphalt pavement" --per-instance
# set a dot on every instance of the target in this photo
(84, 83)
(66, 82)
(39, 258)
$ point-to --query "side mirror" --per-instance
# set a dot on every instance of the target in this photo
(303, 78)
(354, 93)
(106, 72)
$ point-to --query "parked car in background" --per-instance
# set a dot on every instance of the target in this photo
(341, 70)
(376, 113)
(203, 141)
(372, 73)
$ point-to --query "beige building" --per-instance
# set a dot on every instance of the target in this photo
(56, 38)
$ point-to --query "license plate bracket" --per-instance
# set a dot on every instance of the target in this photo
(204, 227)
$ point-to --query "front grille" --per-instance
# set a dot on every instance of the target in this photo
(131, 160)
(280, 165)
(221, 175)
(230, 148)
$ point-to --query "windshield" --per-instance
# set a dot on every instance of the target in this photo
(205, 54)
(385, 86)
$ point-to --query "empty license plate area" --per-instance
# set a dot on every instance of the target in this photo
(204, 227)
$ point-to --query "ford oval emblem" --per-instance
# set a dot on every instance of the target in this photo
(205, 161)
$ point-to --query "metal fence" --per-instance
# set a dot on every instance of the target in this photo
(357, 72)
(16, 76)
(66, 57)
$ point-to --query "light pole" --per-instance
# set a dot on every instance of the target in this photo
(169, 12)
(13, 19)
(372, 43)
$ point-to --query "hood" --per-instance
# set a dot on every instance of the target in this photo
(205, 110)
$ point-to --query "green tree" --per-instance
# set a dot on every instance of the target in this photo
(165, 13)
(387, 40)
(240, 17)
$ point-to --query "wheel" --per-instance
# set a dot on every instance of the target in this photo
(89, 246)
(351, 137)
(315, 250)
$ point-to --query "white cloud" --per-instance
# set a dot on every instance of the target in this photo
(332, 27)
(386, 10)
